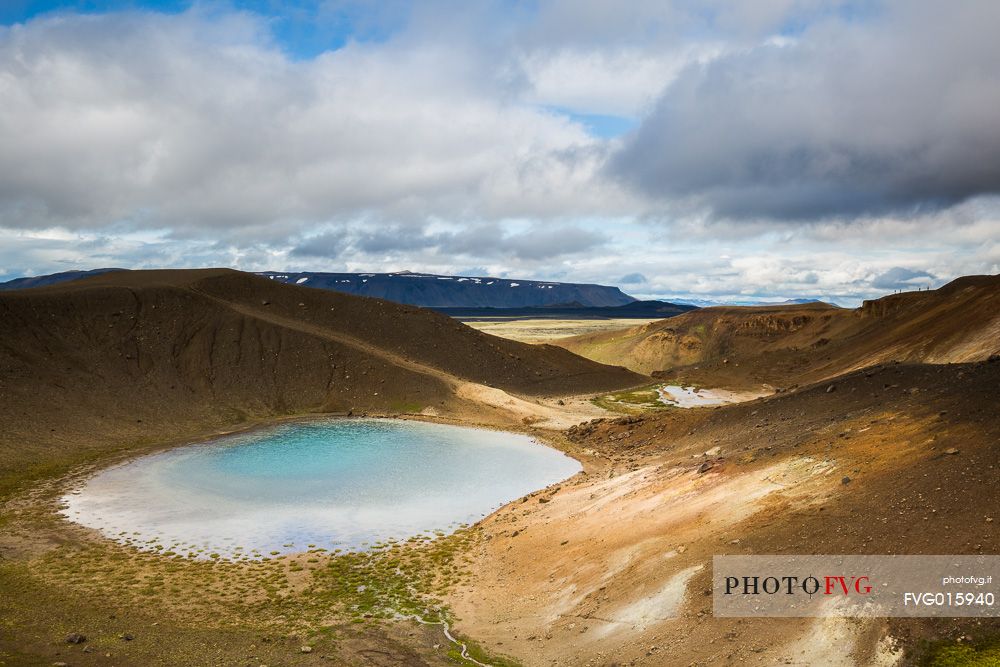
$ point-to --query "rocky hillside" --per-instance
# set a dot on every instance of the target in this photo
(957, 323)
(896, 459)
(130, 356)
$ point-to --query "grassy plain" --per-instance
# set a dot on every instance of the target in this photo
(548, 330)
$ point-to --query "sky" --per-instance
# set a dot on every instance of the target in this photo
(724, 151)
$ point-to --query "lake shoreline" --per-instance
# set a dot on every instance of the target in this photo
(346, 483)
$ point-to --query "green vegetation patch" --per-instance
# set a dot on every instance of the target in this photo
(303, 594)
(952, 654)
(632, 401)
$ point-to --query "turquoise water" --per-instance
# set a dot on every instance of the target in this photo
(335, 483)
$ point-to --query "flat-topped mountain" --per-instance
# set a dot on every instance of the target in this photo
(434, 291)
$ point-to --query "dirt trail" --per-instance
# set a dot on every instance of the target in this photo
(336, 336)
(446, 629)
(534, 412)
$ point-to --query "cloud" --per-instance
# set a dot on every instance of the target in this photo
(328, 245)
(901, 278)
(849, 118)
(481, 241)
(632, 279)
(621, 83)
(393, 239)
(536, 243)
(200, 123)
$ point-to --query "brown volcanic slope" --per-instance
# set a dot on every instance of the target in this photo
(112, 360)
(614, 566)
(958, 322)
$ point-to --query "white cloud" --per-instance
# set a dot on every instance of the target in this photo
(622, 82)
(189, 122)
(853, 118)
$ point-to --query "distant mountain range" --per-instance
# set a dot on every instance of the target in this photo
(435, 291)
(416, 289)
(430, 290)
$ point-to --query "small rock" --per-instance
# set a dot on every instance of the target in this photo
(126, 637)
(543, 500)
(265, 302)
(704, 467)
(832, 388)
(75, 638)
(951, 450)
(306, 649)
(59, 664)
(845, 480)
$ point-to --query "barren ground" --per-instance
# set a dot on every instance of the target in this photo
(613, 567)
(546, 330)
(610, 567)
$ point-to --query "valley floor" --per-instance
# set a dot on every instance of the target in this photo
(548, 330)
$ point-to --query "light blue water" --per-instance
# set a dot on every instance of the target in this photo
(337, 483)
